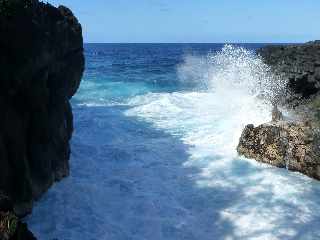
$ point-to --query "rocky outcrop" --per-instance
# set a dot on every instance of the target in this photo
(284, 143)
(294, 145)
(41, 65)
(299, 63)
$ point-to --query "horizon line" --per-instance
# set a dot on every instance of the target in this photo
(194, 42)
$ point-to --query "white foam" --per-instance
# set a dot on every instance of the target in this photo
(236, 80)
(130, 181)
(240, 90)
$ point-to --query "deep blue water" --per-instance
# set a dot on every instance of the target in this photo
(153, 151)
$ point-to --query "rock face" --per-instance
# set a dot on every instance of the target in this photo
(300, 64)
(41, 65)
(283, 144)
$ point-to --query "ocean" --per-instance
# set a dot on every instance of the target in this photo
(154, 151)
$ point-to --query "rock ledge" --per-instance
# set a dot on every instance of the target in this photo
(294, 145)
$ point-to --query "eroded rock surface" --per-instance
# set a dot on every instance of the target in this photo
(41, 65)
(294, 145)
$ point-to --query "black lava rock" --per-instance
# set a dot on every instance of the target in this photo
(41, 65)
(299, 64)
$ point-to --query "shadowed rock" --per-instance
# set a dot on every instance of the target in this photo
(299, 63)
(41, 65)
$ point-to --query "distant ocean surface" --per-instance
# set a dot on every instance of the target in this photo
(154, 151)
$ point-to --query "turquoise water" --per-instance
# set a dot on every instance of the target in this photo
(153, 151)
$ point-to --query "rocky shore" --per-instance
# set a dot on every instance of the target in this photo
(293, 144)
(41, 65)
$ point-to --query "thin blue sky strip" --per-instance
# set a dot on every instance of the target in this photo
(202, 21)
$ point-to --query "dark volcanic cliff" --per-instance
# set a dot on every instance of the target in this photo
(299, 63)
(41, 65)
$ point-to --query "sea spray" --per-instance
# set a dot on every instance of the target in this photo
(237, 89)
(232, 87)
(237, 67)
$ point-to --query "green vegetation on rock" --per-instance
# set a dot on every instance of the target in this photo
(8, 225)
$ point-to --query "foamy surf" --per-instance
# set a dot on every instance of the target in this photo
(236, 89)
(163, 165)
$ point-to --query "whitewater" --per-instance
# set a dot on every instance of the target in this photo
(154, 151)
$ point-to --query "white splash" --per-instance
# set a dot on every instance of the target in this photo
(240, 89)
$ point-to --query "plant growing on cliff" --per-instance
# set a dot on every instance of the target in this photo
(8, 225)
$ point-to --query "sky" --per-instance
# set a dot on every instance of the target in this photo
(201, 21)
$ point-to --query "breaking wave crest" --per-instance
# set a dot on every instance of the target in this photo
(234, 88)
(233, 68)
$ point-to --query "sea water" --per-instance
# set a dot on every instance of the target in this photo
(154, 151)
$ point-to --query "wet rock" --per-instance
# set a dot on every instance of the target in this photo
(294, 145)
(276, 114)
(282, 143)
(41, 65)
